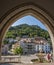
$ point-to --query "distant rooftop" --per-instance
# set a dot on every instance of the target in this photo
(36, 40)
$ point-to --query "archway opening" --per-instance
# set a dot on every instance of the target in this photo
(23, 10)
(31, 32)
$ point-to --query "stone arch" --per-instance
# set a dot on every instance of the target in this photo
(26, 9)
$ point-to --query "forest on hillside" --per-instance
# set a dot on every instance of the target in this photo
(27, 30)
(30, 31)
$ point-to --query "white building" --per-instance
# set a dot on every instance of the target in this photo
(42, 44)
(34, 45)
(4, 49)
(10, 40)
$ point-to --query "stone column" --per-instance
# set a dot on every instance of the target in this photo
(0, 49)
(53, 46)
(53, 50)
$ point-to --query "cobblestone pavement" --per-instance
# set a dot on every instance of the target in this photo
(26, 64)
(26, 60)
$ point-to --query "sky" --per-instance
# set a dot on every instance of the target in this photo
(30, 20)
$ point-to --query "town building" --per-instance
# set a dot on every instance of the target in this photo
(34, 45)
(4, 49)
(29, 46)
(14, 46)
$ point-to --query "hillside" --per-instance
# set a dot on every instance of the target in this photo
(28, 30)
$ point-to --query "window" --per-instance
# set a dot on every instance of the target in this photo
(29, 46)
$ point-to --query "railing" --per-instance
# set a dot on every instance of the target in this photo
(10, 59)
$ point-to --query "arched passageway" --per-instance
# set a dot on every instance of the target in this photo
(22, 10)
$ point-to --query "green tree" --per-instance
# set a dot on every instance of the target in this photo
(5, 42)
(18, 51)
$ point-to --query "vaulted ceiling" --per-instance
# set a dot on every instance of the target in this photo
(47, 5)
